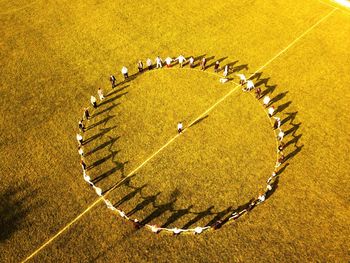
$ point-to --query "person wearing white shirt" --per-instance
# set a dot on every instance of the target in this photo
(181, 60)
(79, 139)
(203, 63)
(271, 110)
(242, 79)
(125, 72)
(250, 85)
(81, 151)
(266, 101)
(225, 71)
(93, 101)
(280, 135)
(261, 198)
(168, 61)
(149, 63)
(191, 62)
(140, 66)
(100, 94)
(159, 62)
(179, 127)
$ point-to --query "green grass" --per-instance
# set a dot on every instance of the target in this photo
(55, 55)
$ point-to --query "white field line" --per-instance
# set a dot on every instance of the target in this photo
(168, 143)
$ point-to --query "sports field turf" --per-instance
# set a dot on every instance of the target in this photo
(55, 54)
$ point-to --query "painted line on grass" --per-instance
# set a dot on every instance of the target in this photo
(170, 141)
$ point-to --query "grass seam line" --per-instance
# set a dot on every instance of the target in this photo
(171, 140)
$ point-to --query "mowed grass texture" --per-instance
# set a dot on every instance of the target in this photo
(55, 54)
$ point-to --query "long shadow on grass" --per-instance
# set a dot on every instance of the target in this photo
(15, 205)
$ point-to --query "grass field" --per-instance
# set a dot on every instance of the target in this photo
(54, 55)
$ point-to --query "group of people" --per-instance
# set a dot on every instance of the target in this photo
(248, 86)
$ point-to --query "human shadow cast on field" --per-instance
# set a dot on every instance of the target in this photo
(98, 135)
(162, 208)
(111, 99)
(115, 91)
(213, 63)
(130, 195)
(199, 120)
(16, 202)
(102, 146)
(95, 114)
(103, 121)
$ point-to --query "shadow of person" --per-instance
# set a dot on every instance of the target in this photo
(111, 99)
(290, 117)
(108, 109)
(98, 135)
(293, 129)
(146, 201)
(294, 152)
(199, 216)
(239, 68)
(177, 214)
(282, 107)
(115, 91)
(103, 121)
(262, 82)
(162, 208)
(220, 216)
(103, 145)
(16, 202)
(199, 120)
(269, 89)
(278, 97)
(130, 195)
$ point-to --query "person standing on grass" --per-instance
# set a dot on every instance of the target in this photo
(86, 114)
(159, 62)
(81, 126)
(83, 165)
(250, 85)
(140, 66)
(179, 127)
(242, 79)
(149, 63)
(168, 61)
(125, 72)
(266, 101)
(93, 102)
(81, 151)
(280, 135)
(281, 147)
(181, 60)
(203, 63)
(100, 94)
(226, 71)
(80, 139)
(216, 66)
(112, 79)
(191, 62)
(271, 110)
(258, 93)
(277, 123)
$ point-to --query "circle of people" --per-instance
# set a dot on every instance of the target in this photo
(247, 85)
